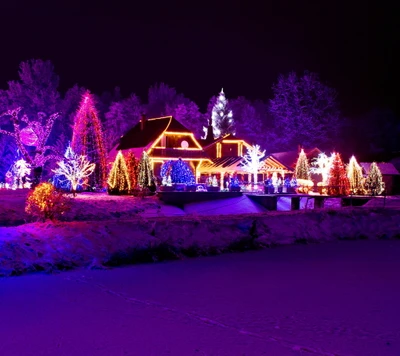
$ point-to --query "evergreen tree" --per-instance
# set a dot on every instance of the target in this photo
(132, 165)
(302, 170)
(354, 173)
(87, 139)
(222, 117)
(338, 182)
(118, 179)
(374, 182)
(181, 172)
(145, 177)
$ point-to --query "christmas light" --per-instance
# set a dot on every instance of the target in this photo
(118, 180)
(374, 182)
(322, 165)
(253, 163)
(302, 170)
(146, 177)
(87, 139)
(354, 173)
(338, 182)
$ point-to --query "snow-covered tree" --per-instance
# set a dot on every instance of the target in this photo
(374, 182)
(252, 161)
(338, 182)
(118, 179)
(354, 173)
(305, 110)
(87, 139)
(75, 169)
(302, 170)
(221, 117)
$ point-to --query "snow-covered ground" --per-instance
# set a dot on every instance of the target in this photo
(338, 298)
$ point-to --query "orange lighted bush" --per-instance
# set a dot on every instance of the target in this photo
(45, 202)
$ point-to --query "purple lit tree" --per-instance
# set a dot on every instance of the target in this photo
(305, 111)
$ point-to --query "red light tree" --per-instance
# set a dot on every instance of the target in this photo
(338, 182)
(87, 140)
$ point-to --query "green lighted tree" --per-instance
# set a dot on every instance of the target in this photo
(146, 176)
(118, 179)
(338, 182)
(374, 183)
(302, 170)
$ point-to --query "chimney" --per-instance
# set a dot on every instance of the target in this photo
(143, 120)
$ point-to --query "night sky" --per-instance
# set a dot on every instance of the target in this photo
(198, 49)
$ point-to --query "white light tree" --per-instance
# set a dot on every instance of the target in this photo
(22, 170)
(75, 169)
(322, 165)
(252, 161)
(221, 117)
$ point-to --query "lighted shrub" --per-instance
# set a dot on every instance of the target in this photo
(45, 202)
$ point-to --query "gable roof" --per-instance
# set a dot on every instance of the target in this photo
(289, 158)
(153, 128)
(384, 167)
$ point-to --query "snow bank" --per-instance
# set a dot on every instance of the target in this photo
(64, 245)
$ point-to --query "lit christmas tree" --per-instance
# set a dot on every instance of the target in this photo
(221, 117)
(338, 183)
(118, 180)
(354, 173)
(146, 177)
(74, 170)
(252, 161)
(132, 165)
(87, 139)
(302, 170)
(177, 172)
(374, 182)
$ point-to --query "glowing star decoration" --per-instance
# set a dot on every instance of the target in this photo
(252, 161)
(75, 170)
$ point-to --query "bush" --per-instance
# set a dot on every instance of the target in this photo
(45, 202)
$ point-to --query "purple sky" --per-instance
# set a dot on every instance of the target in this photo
(198, 50)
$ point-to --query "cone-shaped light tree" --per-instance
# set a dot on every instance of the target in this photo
(87, 139)
(302, 170)
(374, 183)
(222, 117)
(118, 179)
(132, 163)
(338, 182)
(354, 173)
(146, 176)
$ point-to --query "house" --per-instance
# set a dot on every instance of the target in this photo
(390, 176)
(164, 139)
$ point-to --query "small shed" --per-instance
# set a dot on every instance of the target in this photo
(390, 176)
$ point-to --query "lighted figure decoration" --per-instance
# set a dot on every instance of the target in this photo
(87, 140)
(146, 176)
(35, 133)
(22, 170)
(252, 161)
(214, 181)
(118, 180)
(302, 170)
(75, 170)
(356, 180)
(132, 164)
(338, 182)
(9, 180)
(374, 183)
(221, 117)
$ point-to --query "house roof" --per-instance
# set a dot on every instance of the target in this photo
(384, 167)
(289, 158)
(223, 164)
(153, 128)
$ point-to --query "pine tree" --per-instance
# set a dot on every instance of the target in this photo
(146, 177)
(222, 117)
(132, 164)
(181, 172)
(118, 179)
(338, 182)
(302, 170)
(354, 173)
(374, 182)
(87, 139)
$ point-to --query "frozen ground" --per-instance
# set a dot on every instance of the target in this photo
(338, 298)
